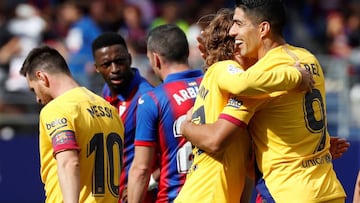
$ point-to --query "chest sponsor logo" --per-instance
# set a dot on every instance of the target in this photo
(325, 159)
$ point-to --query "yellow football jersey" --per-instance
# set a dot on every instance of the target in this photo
(216, 177)
(289, 129)
(81, 120)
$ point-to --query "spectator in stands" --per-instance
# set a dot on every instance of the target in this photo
(28, 26)
(9, 47)
(134, 31)
(79, 38)
(336, 32)
(171, 13)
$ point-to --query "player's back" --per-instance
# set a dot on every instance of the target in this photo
(99, 135)
(166, 104)
(290, 134)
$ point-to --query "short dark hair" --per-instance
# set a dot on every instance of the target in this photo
(108, 39)
(170, 42)
(44, 58)
(272, 11)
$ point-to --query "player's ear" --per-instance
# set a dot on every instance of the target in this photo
(96, 68)
(264, 28)
(42, 77)
(157, 60)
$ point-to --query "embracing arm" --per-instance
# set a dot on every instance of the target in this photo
(208, 137)
(254, 82)
(69, 175)
(139, 173)
(338, 146)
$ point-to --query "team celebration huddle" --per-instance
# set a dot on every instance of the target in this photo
(251, 123)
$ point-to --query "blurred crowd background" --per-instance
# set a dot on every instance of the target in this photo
(328, 28)
(325, 27)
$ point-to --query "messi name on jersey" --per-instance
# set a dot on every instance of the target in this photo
(100, 111)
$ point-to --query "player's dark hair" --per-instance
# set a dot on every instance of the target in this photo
(271, 11)
(217, 41)
(108, 39)
(170, 42)
(44, 58)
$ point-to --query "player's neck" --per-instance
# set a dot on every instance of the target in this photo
(268, 44)
(174, 68)
(62, 85)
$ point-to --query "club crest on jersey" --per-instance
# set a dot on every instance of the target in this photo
(63, 138)
(234, 69)
(234, 102)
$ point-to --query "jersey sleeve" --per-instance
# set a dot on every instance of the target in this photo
(255, 82)
(146, 121)
(56, 125)
(239, 110)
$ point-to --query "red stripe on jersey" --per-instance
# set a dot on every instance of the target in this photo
(145, 144)
(233, 120)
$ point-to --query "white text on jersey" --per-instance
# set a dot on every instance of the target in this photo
(185, 94)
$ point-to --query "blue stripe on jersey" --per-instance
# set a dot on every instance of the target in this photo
(264, 192)
(127, 100)
(157, 112)
(261, 187)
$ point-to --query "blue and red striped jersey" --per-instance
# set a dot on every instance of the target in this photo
(158, 113)
(126, 104)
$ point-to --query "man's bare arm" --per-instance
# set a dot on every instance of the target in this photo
(209, 137)
(139, 174)
(68, 165)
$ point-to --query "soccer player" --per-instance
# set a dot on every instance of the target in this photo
(81, 137)
(158, 114)
(124, 85)
(288, 128)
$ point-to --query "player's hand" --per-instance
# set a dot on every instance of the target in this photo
(201, 45)
(124, 195)
(338, 146)
(307, 81)
(186, 121)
